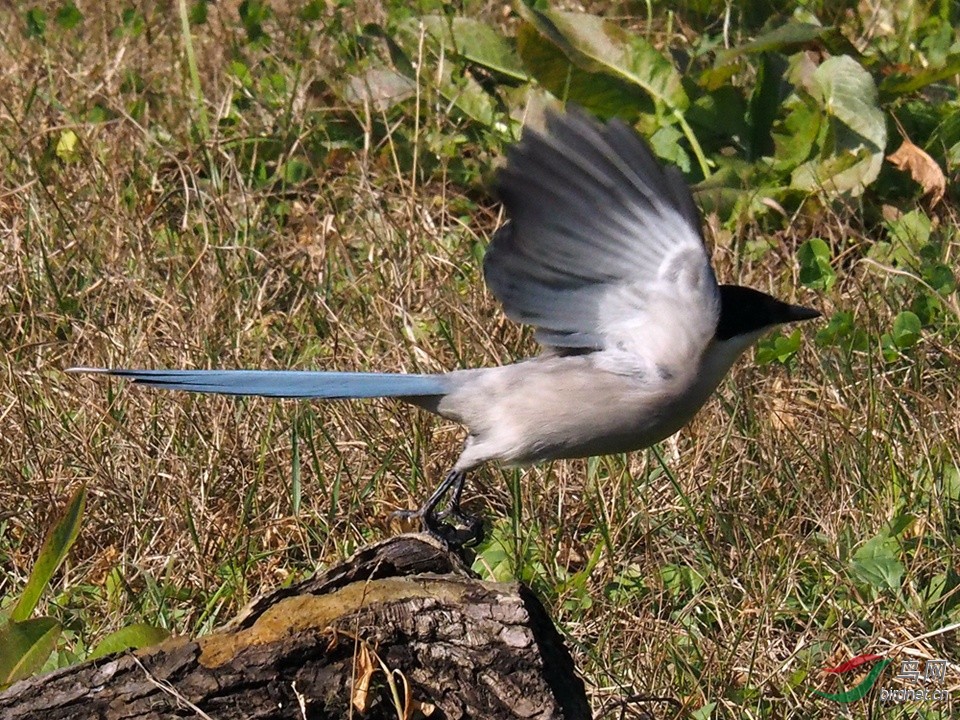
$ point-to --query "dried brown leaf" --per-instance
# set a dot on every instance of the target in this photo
(364, 674)
(922, 168)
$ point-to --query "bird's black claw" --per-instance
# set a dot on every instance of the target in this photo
(468, 530)
(470, 527)
(467, 537)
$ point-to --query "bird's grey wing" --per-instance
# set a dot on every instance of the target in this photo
(603, 248)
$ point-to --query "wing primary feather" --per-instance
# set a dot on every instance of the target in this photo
(593, 143)
(601, 238)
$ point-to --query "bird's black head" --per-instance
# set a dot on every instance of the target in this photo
(744, 311)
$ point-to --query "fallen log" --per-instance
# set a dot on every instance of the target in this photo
(403, 629)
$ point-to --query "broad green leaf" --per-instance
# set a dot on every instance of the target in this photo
(601, 48)
(67, 146)
(133, 21)
(843, 332)
(897, 85)
(98, 114)
(927, 307)
(468, 95)
(666, 144)
(853, 153)
(681, 580)
(459, 88)
(407, 32)
(952, 154)
(940, 277)
(132, 637)
(494, 558)
(909, 233)
(888, 348)
(295, 171)
(198, 12)
(36, 21)
(765, 103)
(254, 14)
(785, 39)
(900, 523)
(596, 45)
(703, 713)
(934, 590)
(381, 87)
(830, 174)
(25, 647)
(848, 94)
(478, 43)
(600, 93)
(54, 550)
(951, 483)
(794, 136)
(312, 11)
(907, 236)
(877, 563)
(713, 79)
(720, 113)
(779, 348)
(906, 330)
(241, 72)
(68, 16)
(630, 583)
(815, 269)
(729, 188)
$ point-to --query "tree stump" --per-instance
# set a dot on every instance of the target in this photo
(403, 629)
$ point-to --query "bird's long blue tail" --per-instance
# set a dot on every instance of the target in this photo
(285, 383)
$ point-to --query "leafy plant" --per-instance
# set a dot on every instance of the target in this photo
(813, 123)
(816, 272)
(877, 563)
(26, 642)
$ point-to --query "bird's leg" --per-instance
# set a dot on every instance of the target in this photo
(472, 532)
(432, 521)
(427, 513)
(453, 507)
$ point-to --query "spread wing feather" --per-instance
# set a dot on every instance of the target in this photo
(601, 239)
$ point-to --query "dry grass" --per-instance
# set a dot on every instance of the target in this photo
(716, 570)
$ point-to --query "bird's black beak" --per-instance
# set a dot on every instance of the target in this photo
(795, 313)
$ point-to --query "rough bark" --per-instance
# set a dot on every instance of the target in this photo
(402, 623)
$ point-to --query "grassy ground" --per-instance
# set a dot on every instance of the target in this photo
(808, 514)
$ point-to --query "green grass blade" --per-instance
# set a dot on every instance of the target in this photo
(203, 124)
(296, 490)
(54, 550)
